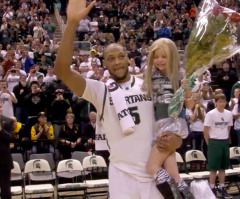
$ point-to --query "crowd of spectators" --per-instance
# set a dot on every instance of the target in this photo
(43, 108)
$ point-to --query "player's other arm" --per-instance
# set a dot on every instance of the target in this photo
(76, 11)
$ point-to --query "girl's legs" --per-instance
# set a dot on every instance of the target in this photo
(170, 165)
(155, 168)
(164, 178)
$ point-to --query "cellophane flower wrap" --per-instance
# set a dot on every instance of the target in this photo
(215, 37)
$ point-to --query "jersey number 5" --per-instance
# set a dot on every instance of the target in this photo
(135, 115)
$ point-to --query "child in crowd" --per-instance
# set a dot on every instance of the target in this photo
(217, 127)
(161, 81)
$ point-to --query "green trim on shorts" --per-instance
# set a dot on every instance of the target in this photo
(218, 155)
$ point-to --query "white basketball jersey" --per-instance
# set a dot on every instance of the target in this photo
(128, 153)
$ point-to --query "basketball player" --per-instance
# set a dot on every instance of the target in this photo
(127, 175)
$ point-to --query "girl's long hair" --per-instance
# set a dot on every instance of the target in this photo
(172, 64)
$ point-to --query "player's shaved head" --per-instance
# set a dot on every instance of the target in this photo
(111, 47)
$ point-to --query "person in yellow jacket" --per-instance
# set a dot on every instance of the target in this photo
(42, 135)
(18, 136)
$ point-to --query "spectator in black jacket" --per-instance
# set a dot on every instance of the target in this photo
(70, 137)
(6, 163)
(226, 78)
(20, 91)
(89, 132)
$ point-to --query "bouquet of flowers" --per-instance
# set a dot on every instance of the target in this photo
(215, 37)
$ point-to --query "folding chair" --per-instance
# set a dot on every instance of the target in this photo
(197, 157)
(233, 173)
(45, 156)
(95, 188)
(235, 154)
(180, 162)
(70, 169)
(18, 157)
(16, 175)
(38, 190)
(44, 176)
(80, 155)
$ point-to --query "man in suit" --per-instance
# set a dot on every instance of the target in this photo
(6, 163)
(89, 132)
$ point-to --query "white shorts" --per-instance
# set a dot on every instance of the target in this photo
(124, 186)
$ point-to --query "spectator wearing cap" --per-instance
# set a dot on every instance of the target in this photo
(58, 111)
(20, 91)
(40, 78)
(42, 135)
(70, 137)
(50, 77)
(35, 102)
(92, 57)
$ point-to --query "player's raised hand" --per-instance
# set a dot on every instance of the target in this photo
(77, 10)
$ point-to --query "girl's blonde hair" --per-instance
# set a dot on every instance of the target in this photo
(172, 63)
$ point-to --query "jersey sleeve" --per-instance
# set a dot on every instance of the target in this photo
(94, 93)
(208, 120)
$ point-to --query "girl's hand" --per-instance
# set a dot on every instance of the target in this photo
(168, 142)
(184, 83)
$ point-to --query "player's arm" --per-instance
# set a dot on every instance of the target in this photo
(206, 133)
(76, 11)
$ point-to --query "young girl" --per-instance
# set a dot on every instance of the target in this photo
(161, 81)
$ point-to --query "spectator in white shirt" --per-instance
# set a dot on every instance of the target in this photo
(85, 66)
(7, 98)
(93, 25)
(133, 69)
(93, 57)
(83, 28)
(50, 77)
(12, 78)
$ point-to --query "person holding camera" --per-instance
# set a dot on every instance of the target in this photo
(34, 74)
(7, 98)
(35, 102)
(12, 78)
